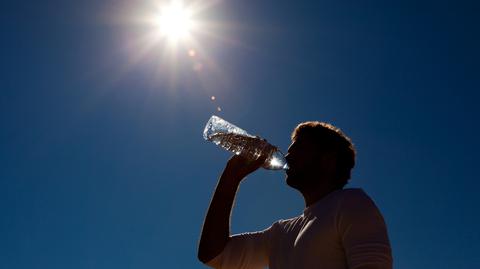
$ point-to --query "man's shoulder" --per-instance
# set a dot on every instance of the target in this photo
(356, 199)
(354, 194)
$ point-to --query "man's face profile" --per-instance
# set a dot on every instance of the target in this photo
(300, 158)
(309, 165)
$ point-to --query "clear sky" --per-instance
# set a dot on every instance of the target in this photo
(103, 164)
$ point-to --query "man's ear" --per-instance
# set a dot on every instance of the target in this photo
(328, 163)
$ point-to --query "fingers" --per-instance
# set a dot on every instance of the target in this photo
(247, 162)
(241, 166)
(261, 159)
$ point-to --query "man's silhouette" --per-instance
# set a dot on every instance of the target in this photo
(339, 228)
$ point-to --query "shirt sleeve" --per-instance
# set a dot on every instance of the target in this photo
(245, 251)
(363, 232)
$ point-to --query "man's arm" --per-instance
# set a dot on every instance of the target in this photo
(216, 228)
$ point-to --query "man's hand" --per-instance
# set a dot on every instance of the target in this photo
(238, 167)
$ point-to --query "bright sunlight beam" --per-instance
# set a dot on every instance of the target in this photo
(175, 21)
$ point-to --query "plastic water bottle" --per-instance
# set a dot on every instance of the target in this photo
(238, 141)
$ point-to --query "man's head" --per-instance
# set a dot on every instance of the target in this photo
(320, 155)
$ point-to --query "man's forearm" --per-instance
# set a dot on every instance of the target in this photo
(216, 228)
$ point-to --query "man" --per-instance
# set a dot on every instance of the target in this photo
(339, 228)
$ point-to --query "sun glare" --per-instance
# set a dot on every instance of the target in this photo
(174, 35)
(175, 21)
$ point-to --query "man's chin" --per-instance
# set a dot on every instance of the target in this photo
(292, 181)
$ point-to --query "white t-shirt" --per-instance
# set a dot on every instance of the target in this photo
(342, 230)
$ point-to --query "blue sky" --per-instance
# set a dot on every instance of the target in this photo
(103, 160)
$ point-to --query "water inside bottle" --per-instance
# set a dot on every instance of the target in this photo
(250, 147)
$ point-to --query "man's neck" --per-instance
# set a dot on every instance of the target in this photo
(316, 195)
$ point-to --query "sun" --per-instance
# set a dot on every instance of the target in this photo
(175, 21)
(175, 37)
